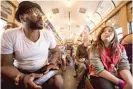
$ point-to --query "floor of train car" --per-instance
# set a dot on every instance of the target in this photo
(69, 79)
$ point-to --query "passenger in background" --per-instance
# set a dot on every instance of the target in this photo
(108, 58)
(69, 59)
(81, 59)
(29, 45)
(79, 42)
(70, 47)
(126, 41)
(63, 49)
(62, 61)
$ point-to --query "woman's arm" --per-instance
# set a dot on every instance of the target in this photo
(107, 75)
(126, 75)
(99, 68)
(123, 68)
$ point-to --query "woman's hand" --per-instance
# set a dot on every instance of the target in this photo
(121, 84)
(28, 81)
(128, 86)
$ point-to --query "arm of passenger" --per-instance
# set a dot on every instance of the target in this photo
(63, 57)
(55, 51)
(8, 69)
(123, 68)
(99, 68)
(55, 55)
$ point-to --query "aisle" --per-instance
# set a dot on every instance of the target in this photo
(69, 79)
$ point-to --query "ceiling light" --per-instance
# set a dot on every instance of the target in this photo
(68, 3)
(69, 24)
(49, 15)
(89, 14)
(87, 19)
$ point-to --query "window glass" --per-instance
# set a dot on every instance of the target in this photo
(115, 23)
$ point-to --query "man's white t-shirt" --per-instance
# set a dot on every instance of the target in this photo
(29, 55)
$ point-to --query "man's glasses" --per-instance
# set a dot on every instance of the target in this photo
(35, 12)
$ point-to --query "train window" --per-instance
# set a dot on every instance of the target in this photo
(131, 27)
(115, 23)
(129, 12)
(91, 24)
(119, 33)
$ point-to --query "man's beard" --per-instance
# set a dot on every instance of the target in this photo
(35, 25)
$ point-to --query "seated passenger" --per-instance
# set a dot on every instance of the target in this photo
(108, 58)
(29, 45)
(127, 43)
(61, 60)
(69, 59)
(80, 61)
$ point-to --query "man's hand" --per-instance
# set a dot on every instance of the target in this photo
(28, 81)
(51, 66)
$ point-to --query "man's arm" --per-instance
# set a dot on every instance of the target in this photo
(9, 70)
(7, 67)
(55, 55)
(53, 60)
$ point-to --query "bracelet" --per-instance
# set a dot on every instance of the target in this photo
(121, 84)
(17, 78)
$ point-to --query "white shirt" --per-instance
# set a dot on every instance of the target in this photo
(29, 55)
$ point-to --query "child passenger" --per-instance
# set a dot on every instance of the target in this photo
(108, 58)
